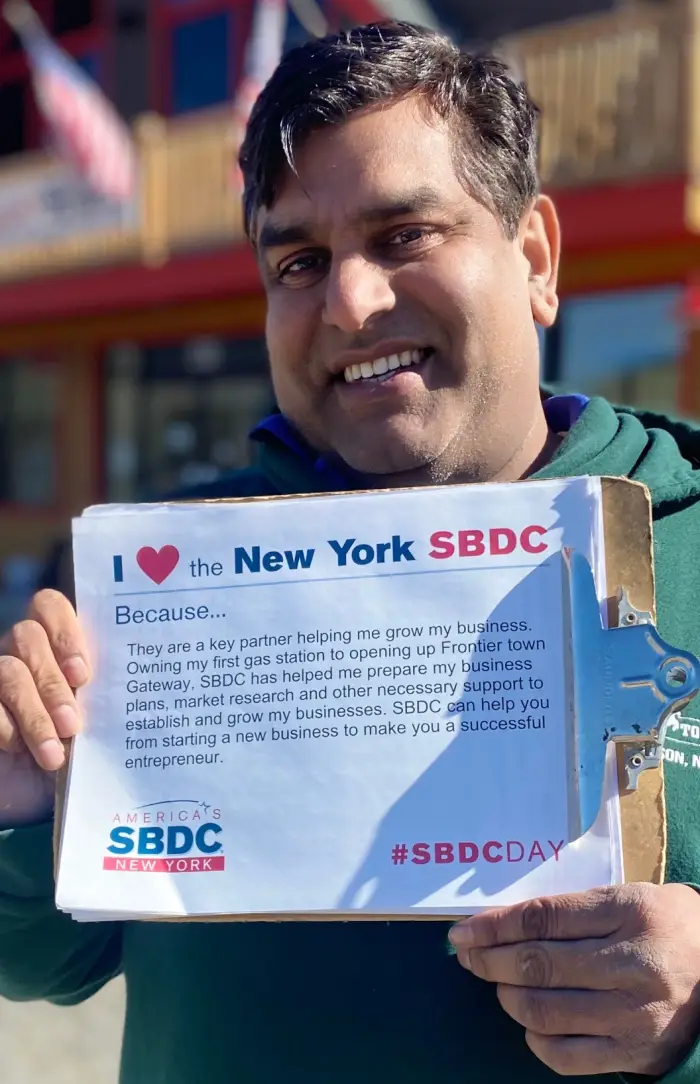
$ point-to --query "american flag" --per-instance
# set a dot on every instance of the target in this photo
(263, 54)
(85, 128)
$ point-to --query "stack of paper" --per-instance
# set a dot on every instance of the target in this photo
(343, 705)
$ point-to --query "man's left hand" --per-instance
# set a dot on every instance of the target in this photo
(606, 981)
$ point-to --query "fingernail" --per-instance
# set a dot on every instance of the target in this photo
(50, 755)
(75, 671)
(461, 936)
(67, 720)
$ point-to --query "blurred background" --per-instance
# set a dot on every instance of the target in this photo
(131, 331)
(131, 327)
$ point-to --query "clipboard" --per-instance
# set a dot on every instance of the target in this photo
(629, 558)
(629, 565)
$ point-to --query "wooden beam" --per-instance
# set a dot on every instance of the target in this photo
(229, 316)
(607, 217)
(629, 267)
(228, 271)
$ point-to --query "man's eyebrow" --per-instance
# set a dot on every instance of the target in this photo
(278, 235)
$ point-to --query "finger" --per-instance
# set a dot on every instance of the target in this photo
(10, 740)
(577, 1055)
(564, 1012)
(53, 610)
(598, 913)
(29, 642)
(19, 697)
(562, 965)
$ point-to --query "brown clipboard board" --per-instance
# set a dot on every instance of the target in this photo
(629, 560)
(629, 564)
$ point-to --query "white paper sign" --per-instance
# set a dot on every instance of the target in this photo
(54, 204)
(335, 704)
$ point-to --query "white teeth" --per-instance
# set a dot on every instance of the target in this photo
(381, 366)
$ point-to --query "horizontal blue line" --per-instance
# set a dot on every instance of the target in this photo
(170, 801)
(206, 586)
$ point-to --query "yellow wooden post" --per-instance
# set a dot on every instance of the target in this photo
(152, 136)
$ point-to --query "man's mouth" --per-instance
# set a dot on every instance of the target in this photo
(383, 369)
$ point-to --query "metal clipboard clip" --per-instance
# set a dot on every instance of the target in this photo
(623, 684)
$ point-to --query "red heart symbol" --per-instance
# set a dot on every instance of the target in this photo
(157, 564)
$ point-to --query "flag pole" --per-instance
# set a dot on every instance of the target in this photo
(310, 16)
(21, 16)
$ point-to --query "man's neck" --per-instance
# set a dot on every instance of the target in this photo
(537, 449)
(554, 418)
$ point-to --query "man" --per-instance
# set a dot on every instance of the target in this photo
(392, 198)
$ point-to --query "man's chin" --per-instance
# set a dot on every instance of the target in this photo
(394, 458)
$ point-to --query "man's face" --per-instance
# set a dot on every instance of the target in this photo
(401, 320)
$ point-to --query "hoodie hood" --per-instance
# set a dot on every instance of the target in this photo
(662, 453)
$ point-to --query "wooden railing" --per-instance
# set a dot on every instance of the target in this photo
(620, 96)
(186, 200)
(189, 199)
(614, 91)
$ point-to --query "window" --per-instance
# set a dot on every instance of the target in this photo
(197, 49)
(12, 107)
(180, 415)
(29, 398)
(201, 51)
(624, 345)
(655, 388)
(69, 15)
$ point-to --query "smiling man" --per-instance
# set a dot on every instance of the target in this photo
(407, 257)
(404, 258)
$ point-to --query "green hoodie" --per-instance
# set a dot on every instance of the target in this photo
(338, 1003)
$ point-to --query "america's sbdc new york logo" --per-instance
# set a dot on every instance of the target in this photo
(174, 836)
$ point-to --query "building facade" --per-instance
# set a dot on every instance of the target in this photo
(131, 338)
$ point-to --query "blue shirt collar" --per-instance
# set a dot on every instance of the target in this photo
(562, 413)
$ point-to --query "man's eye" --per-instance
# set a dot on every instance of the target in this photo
(409, 237)
(300, 268)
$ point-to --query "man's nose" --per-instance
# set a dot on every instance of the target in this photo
(356, 291)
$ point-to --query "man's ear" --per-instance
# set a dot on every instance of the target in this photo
(540, 240)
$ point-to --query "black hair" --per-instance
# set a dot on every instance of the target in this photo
(325, 81)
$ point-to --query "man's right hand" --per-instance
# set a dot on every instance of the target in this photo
(42, 660)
